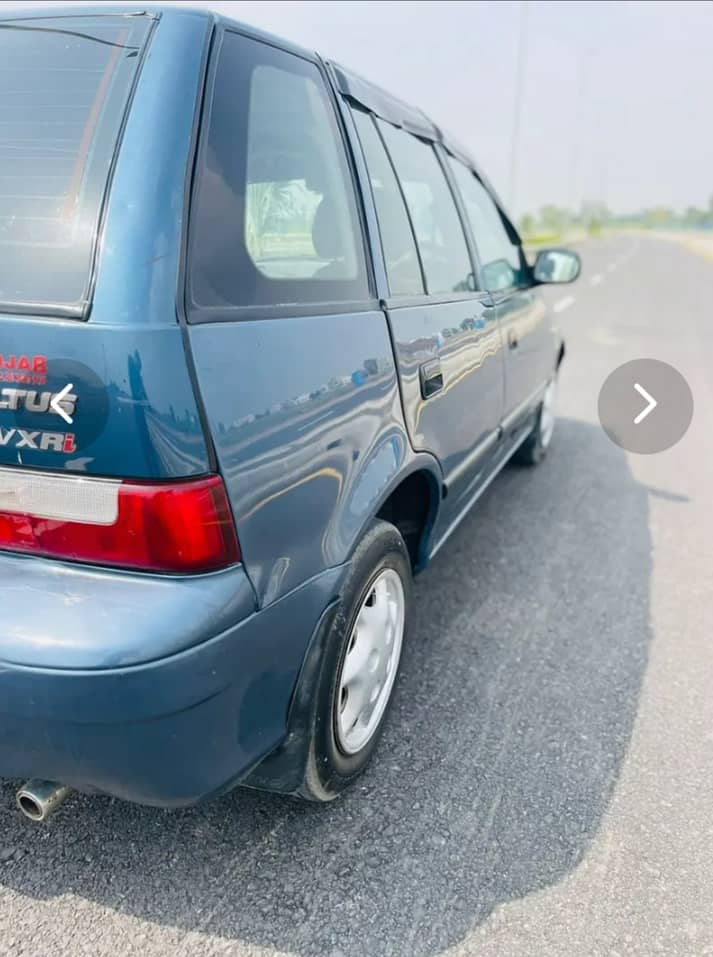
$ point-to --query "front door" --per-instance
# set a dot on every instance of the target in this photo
(521, 312)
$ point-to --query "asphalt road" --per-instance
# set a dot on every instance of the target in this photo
(544, 783)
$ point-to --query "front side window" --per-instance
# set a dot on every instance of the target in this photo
(439, 232)
(274, 218)
(501, 265)
(400, 254)
(64, 87)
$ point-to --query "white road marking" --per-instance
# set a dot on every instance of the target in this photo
(564, 303)
(628, 254)
(595, 280)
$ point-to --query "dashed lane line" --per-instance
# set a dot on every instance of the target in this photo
(564, 303)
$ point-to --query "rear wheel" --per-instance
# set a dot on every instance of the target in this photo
(361, 662)
(534, 448)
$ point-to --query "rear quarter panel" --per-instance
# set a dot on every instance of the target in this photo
(306, 418)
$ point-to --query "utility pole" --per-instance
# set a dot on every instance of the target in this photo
(584, 69)
(519, 96)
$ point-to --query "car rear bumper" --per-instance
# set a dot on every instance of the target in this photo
(167, 732)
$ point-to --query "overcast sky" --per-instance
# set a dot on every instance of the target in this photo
(618, 97)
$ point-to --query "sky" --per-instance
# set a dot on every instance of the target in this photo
(614, 103)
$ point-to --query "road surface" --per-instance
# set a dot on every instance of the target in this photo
(545, 783)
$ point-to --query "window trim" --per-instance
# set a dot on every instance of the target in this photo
(376, 239)
(498, 295)
(402, 194)
(475, 262)
(353, 175)
(478, 295)
(433, 297)
(217, 314)
(198, 315)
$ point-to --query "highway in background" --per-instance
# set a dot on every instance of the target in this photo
(544, 783)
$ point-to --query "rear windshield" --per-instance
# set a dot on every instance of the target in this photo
(64, 86)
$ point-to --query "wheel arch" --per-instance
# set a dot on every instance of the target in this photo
(411, 503)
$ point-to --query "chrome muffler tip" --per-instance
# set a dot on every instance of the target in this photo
(38, 799)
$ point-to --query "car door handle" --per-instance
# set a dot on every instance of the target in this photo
(513, 340)
(431, 376)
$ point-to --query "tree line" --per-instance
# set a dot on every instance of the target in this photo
(593, 216)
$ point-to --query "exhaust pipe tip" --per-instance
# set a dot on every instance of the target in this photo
(39, 799)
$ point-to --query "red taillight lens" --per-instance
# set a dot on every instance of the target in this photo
(182, 527)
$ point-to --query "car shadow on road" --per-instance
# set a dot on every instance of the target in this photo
(513, 716)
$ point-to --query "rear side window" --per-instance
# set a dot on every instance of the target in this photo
(441, 241)
(401, 257)
(501, 265)
(64, 86)
(274, 218)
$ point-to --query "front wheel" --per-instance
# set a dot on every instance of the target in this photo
(361, 662)
(534, 448)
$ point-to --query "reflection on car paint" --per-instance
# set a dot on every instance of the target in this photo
(299, 441)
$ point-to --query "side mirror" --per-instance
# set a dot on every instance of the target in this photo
(498, 275)
(556, 265)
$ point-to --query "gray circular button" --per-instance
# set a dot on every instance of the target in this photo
(645, 406)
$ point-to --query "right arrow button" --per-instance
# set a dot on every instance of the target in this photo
(652, 403)
(633, 427)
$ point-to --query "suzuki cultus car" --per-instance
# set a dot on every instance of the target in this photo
(266, 334)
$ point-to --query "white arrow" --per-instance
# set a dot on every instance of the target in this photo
(652, 403)
(55, 403)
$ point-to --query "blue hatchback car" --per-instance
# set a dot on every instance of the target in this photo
(266, 334)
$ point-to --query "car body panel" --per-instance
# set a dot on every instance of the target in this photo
(136, 413)
(310, 438)
(172, 731)
(531, 345)
(65, 615)
(141, 245)
(464, 337)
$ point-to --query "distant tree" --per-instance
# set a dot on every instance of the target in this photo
(694, 218)
(528, 225)
(554, 219)
(660, 217)
(594, 215)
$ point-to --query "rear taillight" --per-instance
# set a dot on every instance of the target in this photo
(181, 527)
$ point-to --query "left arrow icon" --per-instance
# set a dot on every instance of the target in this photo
(55, 403)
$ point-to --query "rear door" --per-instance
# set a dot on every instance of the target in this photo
(446, 336)
(505, 274)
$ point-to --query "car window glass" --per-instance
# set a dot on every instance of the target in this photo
(400, 254)
(274, 215)
(439, 232)
(499, 256)
(65, 85)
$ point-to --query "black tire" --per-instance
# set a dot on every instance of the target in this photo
(329, 770)
(534, 448)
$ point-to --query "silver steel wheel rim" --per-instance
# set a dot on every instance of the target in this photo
(547, 414)
(369, 668)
